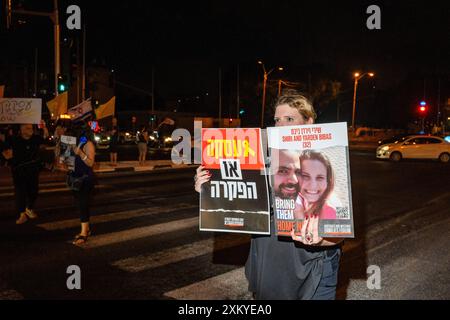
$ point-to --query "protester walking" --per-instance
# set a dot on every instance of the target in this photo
(22, 154)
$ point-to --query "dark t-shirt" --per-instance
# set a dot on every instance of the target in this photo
(114, 139)
(25, 151)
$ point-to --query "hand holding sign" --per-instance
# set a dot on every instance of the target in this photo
(309, 232)
(7, 154)
(201, 177)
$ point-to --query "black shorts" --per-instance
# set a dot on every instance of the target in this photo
(113, 148)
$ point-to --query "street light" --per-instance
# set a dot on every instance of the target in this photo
(357, 77)
(266, 75)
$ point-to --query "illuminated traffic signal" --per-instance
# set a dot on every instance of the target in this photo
(63, 84)
(241, 111)
(423, 107)
(152, 117)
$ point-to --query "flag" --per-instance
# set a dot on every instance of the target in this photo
(106, 110)
(81, 111)
(168, 121)
(58, 105)
(2, 91)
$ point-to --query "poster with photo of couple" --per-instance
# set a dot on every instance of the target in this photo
(310, 177)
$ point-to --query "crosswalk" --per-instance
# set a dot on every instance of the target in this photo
(9, 294)
(49, 188)
(173, 255)
(151, 223)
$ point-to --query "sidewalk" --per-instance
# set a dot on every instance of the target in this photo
(123, 166)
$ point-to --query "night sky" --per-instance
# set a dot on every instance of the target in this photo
(187, 42)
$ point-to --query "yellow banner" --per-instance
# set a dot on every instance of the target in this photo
(107, 109)
(58, 105)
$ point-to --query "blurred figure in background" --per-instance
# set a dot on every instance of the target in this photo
(113, 142)
(142, 140)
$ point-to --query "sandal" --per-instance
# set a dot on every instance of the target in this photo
(80, 239)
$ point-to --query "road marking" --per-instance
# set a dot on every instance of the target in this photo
(139, 233)
(180, 253)
(115, 216)
(43, 185)
(231, 285)
(10, 194)
(10, 295)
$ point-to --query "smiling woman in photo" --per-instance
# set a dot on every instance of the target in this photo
(316, 182)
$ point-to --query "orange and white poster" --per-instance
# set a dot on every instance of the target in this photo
(235, 199)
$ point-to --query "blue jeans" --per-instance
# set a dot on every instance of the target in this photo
(327, 285)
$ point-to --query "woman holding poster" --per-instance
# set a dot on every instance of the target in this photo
(277, 268)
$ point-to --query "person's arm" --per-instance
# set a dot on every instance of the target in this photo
(87, 154)
(45, 130)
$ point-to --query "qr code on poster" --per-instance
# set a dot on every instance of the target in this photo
(342, 213)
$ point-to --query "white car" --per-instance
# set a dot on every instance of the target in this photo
(416, 147)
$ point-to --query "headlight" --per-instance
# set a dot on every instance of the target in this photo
(385, 148)
(127, 134)
(109, 138)
(168, 139)
(97, 138)
(152, 137)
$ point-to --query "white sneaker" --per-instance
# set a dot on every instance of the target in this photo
(30, 213)
(22, 219)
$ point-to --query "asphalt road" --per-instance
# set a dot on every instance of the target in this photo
(146, 243)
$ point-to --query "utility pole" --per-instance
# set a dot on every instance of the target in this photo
(439, 103)
(220, 97)
(78, 71)
(237, 94)
(54, 16)
(264, 98)
(57, 45)
(153, 89)
(266, 75)
(83, 77)
(357, 77)
(35, 71)
(354, 102)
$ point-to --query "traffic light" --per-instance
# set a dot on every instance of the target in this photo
(152, 117)
(423, 107)
(241, 111)
(63, 84)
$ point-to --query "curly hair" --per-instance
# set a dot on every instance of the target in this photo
(296, 100)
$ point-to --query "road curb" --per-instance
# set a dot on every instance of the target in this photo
(142, 169)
